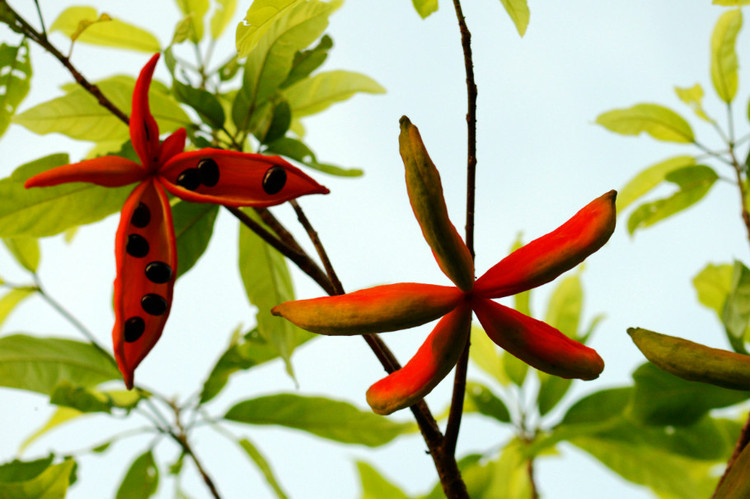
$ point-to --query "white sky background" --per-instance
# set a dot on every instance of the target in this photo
(541, 159)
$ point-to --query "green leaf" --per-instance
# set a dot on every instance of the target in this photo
(736, 484)
(196, 9)
(514, 368)
(307, 61)
(223, 12)
(481, 399)
(298, 151)
(661, 398)
(552, 389)
(693, 184)
(25, 250)
(599, 406)
(693, 97)
(658, 121)
(280, 121)
(723, 55)
(425, 7)
(518, 10)
(41, 364)
(485, 354)
(713, 284)
(80, 23)
(326, 418)
(315, 94)
(731, 3)
(736, 312)
(262, 464)
(50, 483)
(60, 416)
(193, 227)
(668, 475)
(267, 283)
(649, 178)
(244, 352)
(15, 80)
(181, 33)
(20, 471)
(79, 115)
(11, 300)
(84, 399)
(205, 103)
(375, 485)
(47, 211)
(141, 480)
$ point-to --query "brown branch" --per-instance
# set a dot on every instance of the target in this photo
(312, 233)
(181, 438)
(459, 383)
(742, 442)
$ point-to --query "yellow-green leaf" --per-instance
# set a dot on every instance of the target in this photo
(693, 97)
(518, 10)
(15, 80)
(223, 12)
(85, 25)
(11, 300)
(196, 9)
(60, 416)
(51, 483)
(658, 121)
(723, 55)
(259, 18)
(713, 284)
(313, 95)
(25, 250)
(731, 3)
(425, 7)
(649, 178)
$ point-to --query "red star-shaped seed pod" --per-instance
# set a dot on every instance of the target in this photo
(145, 249)
(399, 306)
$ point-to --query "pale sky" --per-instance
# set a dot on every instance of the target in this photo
(540, 159)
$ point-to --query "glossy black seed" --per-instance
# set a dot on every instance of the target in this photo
(190, 179)
(158, 272)
(209, 172)
(153, 304)
(141, 216)
(134, 328)
(274, 179)
(137, 246)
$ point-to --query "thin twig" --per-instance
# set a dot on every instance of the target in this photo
(41, 19)
(312, 233)
(459, 383)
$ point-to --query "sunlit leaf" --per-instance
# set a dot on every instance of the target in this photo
(79, 115)
(298, 151)
(724, 56)
(425, 7)
(25, 250)
(41, 364)
(731, 3)
(11, 300)
(193, 227)
(518, 10)
(196, 9)
(485, 354)
(15, 80)
(85, 25)
(223, 12)
(656, 120)
(182, 31)
(47, 211)
(693, 184)
(60, 416)
(262, 463)
(326, 418)
(661, 398)
(50, 482)
(648, 179)
(141, 480)
(375, 485)
(713, 284)
(693, 97)
(317, 93)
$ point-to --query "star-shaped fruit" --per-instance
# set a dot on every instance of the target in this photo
(145, 249)
(399, 306)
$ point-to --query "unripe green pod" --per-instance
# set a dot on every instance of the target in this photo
(693, 361)
(426, 197)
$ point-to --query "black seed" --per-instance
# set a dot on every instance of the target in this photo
(190, 179)
(153, 304)
(209, 172)
(158, 272)
(141, 216)
(134, 328)
(274, 179)
(137, 246)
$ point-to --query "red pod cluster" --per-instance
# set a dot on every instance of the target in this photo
(145, 247)
(400, 306)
